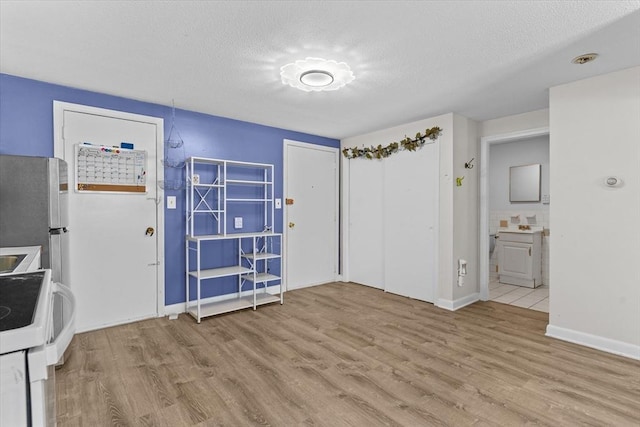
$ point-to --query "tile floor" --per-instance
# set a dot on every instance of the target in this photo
(535, 299)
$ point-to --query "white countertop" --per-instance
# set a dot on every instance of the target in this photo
(516, 230)
(31, 252)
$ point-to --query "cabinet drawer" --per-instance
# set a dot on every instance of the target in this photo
(505, 236)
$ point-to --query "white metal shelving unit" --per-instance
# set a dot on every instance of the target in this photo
(210, 182)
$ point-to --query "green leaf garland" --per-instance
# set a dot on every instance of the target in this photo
(407, 143)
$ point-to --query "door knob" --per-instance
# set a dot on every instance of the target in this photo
(291, 225)
(149, 231)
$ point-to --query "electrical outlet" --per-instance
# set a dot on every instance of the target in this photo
(237, 222)
(171, 202)
(195, 179)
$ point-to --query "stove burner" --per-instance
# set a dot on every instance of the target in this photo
(4, 311)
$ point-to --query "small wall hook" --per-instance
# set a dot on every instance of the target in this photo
(459, 181)
(468, 165)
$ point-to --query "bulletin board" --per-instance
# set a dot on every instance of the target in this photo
(100, 168)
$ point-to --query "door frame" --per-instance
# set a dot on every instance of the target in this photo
(286, 143)
(485, 143)
(60, 107)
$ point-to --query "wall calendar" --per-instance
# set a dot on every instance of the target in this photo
(101, 168)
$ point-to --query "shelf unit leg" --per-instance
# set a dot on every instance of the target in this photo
(281, 271)
(254, 243)
(198, 269)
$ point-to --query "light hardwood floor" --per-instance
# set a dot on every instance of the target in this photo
(344, 355)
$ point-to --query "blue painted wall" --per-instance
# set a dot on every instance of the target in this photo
(26, 128)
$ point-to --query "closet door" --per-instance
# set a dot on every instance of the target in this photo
(411, 222)
(366, 262)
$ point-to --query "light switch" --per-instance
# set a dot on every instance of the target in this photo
(278, 203)
(171, 202)
(237, 222)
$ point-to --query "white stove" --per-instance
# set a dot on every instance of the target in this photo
(29, 347)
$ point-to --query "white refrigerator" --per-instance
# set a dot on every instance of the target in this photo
(34, 212)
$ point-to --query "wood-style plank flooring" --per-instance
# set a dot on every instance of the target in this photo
(344, 355)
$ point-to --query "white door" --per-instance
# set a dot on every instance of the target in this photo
(311, 222)
(114, 261)
(366, 221)
(411, 222)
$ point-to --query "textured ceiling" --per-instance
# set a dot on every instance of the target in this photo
(412, 59)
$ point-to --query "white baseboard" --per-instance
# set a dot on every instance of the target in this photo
(594, 341)
(117, 323)
(181, 307)
(454, 305)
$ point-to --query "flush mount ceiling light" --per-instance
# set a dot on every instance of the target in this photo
(316, 74)
(583, 59)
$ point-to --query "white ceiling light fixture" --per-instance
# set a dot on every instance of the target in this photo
(316, 74)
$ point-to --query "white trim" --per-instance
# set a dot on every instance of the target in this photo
(181, 307)
(485, 142)
(594, 341)
(436, 227)
(285, 145)
(59, 108)
(459, 303)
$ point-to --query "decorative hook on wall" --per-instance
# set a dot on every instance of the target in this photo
(468, 165)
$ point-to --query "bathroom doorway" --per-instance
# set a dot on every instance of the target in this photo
(498, 154)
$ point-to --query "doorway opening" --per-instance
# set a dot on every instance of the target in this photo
(498, 154)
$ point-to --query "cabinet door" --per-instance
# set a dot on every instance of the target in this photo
(516, 260)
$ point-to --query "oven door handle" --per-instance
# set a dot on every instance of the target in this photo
(56, 349)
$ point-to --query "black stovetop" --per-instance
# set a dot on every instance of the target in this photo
(18, 299)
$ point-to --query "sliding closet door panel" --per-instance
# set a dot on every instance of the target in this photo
(366, 262)
(411, 222)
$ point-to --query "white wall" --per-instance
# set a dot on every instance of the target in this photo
(517, 122)
(466, 204)
(595, 132)
(503, 156)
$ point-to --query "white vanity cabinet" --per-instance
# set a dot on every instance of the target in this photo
(520, 257)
